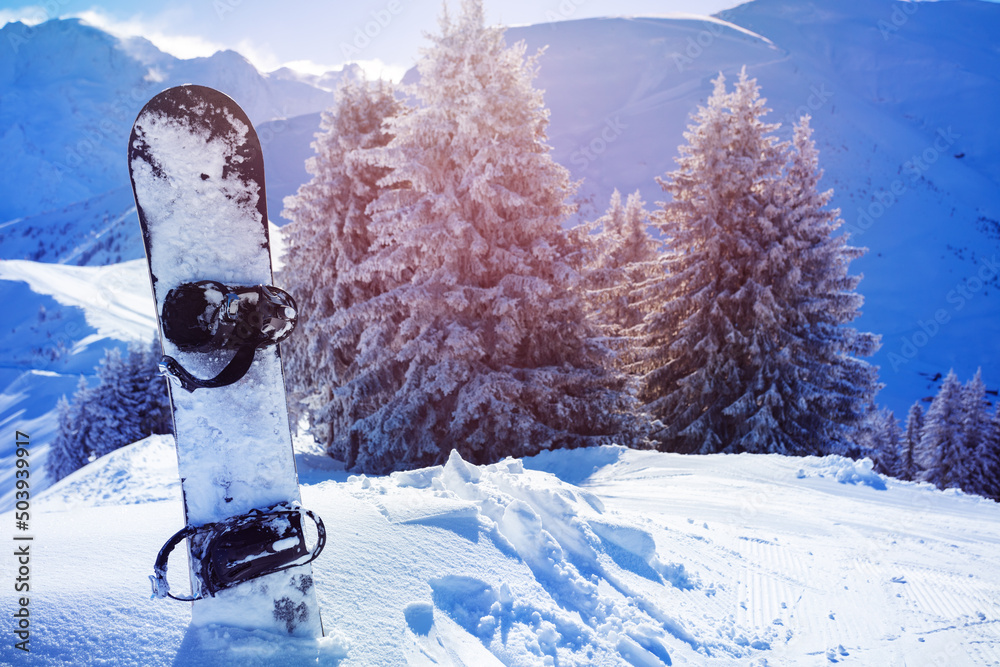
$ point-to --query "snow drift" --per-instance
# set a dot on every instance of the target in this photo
(582, 557)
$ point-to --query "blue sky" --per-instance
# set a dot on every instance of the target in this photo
(384, 35)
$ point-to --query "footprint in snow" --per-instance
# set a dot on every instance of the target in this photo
(834, 654)
(420, 617)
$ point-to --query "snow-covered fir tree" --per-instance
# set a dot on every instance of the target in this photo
(881, 442)
(480, 342)
(620, 255)
(942, 455)
(128, 403)
(65, 455)
(330, 234)
(988, 455)
(909, 444)
(745, 348)
(976, 434)
(110, 408)
(837, 387)
(956, 444)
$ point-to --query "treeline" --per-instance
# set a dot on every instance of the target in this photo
(444, 306)
(128, 403)
(955, 443)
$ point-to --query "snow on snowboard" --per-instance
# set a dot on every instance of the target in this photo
(198, 178)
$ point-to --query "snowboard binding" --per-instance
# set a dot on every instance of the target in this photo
(207, 316)
(236, 550)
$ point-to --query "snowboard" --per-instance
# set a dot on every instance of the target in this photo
(197, 174)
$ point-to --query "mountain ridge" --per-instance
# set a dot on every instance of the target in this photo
(71, 92)
(913, 170)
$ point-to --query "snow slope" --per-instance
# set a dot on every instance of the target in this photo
(589, 557)
(112, 305)
(59, 321)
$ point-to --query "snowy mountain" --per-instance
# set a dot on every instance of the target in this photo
(585, 557)
(601, 556)
(97, 231)
(914, 171)
(902, 97)
(71, 92)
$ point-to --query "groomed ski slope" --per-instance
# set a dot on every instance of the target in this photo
(589, 557)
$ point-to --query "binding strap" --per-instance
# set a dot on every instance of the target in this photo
(234, 370)
(240, 549)
(161, 588)
(236, 318)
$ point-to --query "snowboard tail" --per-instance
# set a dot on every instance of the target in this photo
(197, 174)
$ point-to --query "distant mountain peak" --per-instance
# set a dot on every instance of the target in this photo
(231, 58)
(71, 91)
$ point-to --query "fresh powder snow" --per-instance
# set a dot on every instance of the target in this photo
(587, 557)
(574, 557)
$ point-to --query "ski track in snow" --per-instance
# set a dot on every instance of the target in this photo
(647, 559)
(855, 575)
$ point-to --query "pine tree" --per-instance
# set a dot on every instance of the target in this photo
(908, 469)
(883, 443)
(837, 387)
(745, 348)
(114, 405)
(622, 257)
(941, 454)
(479, 343)
(330, 234)
(976, 433)
(154, 413)
(86, 430)
(64, 454)
(988, 456)
(128, 403)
